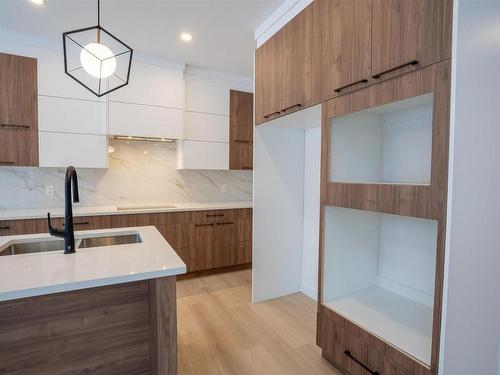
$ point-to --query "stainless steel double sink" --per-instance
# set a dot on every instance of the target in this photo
(42, 245)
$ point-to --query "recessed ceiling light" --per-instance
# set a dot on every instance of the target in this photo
(186, 37)
(39, 2)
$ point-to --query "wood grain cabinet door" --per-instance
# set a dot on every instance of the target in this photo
(408, 34)
(18, 111)
(267, 80)
(295, 62)
(201, 247)
(240, 130)
(225, 244)
(349, 45)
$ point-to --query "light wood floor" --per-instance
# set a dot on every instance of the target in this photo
(221, 332)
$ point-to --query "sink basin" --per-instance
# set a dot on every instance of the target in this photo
(23, 247)
(108, 241)
(32, 247)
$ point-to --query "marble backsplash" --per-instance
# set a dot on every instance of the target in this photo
(138, 173)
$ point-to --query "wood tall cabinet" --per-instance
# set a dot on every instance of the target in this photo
(18, 111)
(334, 47)
(348, 340)
(240, 130)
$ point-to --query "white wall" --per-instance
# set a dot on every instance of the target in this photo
(286, 205)
(278, 211)
(471, 316)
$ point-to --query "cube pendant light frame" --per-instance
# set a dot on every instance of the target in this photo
(117, 54)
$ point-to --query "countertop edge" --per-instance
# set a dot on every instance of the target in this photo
(62, 288)
(25, 214)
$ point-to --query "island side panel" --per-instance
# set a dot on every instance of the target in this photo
(163, 325)
(104, 330)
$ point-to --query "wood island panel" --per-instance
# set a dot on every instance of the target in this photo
(126, 328)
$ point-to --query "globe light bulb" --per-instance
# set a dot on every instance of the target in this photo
(98, 60)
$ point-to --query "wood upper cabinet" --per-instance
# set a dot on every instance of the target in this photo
(283, 69)
(18, 111)
(295, 62)
(267, 87)
(342, 50)
(408, 34)
(240, 130)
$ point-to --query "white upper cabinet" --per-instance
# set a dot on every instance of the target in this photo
(71, 116)
(145, 121)
(153, 85)
(202, 155)
(207, 127)
(202, 95)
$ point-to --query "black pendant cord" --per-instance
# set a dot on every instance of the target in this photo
(98, 21)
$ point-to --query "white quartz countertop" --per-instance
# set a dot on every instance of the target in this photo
(40, 213)
(27, 275)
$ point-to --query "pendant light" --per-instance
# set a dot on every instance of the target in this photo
(97, 59)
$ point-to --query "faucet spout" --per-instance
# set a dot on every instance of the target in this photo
(68, 232)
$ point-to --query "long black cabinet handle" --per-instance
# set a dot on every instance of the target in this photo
(413, 62)
(5, 162)
(15, 126)
(226, 223)
(204, 225)
(5, 227)
(348, 353)
(214, 215)
(272, 114)
(364, 80)
(241, 141)
(291, 107)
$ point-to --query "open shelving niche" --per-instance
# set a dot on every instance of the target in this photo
(390, 144)
(379, 273)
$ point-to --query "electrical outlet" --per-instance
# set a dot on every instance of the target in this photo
(49, 190)
(223, 188)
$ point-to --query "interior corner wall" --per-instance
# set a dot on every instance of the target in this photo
(310, 247)
(471, 307)
(277, 212)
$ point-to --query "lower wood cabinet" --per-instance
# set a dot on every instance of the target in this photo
(203, 239)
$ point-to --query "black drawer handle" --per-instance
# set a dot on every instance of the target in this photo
(226, 223)
(291, 107)
(204, 225)
(364, 80)
(241, 141)
(272, 114)
(7, 227)
(214, 215)
(413, 62)
(348, 353)
(15, 126)
(4, 162)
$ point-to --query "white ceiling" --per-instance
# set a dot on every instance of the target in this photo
(223, 30)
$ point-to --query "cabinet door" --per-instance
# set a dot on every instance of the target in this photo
(409, 33)
(241, 156)
(225, 244)
(18, 110)
(201, 247)
(295, 40)
(267, 76)
(349, 44)
(240, 116)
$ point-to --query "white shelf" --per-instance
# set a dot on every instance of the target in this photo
(393, 318)
(391, 143)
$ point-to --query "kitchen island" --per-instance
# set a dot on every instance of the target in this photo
(110, 308)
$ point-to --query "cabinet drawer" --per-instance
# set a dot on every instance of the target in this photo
(213, 216)
(349, 347)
